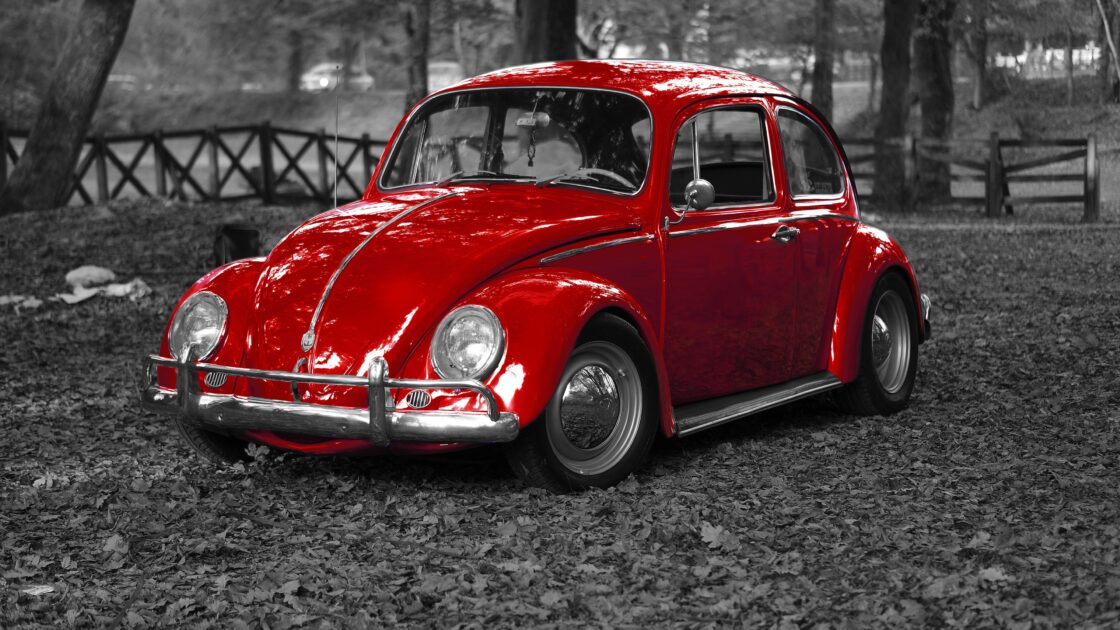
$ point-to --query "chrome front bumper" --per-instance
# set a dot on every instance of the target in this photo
(380, 423)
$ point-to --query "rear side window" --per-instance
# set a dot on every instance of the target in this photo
(812, 165)
(732, 150)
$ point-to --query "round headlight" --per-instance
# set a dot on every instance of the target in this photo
(468, 343)
(198, 327)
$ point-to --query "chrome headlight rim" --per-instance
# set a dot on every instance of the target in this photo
(438, 347)
(179, 328)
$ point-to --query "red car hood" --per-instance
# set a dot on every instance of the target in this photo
(407, 277)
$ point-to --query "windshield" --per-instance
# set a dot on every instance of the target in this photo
(571, 136)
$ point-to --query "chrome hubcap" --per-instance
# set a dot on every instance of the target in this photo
(880, 340)
(593, 419)
(890, 341)
(589, 407)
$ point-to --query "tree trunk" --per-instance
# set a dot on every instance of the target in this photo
(460, 49)
(350, 45)
(872, 80)
(45, 172)
(1104, 70)
(295, 59)
(546, 30)
(674, 44)
(1069, 67)
(977, 47)
(891, 188)
(933, 51)
(823, 51)
(806, 71)
(1110, 62)
(417, 19)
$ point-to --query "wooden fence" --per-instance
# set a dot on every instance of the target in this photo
(274, 164)
(997, 164)
(219, 163)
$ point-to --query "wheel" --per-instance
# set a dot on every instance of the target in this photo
(220, 450)
(601, 421)
(888, 352)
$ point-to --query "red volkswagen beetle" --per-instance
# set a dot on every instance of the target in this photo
(565, 258)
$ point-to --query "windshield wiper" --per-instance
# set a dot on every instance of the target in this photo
(481, 174)
(564, 176)
(600, 177)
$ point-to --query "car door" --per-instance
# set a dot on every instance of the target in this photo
(730, 269)
(820, 205)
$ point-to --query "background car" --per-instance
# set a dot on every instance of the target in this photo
(325, 76)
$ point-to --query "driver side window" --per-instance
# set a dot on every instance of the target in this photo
(733, 157)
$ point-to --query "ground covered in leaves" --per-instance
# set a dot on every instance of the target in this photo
(993, 500)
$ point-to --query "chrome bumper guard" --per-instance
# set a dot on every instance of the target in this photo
(381, 423)
(928, 332)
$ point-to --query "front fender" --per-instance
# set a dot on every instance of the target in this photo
(871, 253)
(543, 312)
(233, 283)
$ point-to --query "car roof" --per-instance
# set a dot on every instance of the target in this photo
(654, 81)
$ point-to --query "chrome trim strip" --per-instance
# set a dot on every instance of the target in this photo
(455, 91)
(595, 247)
(736, 225)
(706, 414)
(308, 339)
(925, 307)
(381, 423)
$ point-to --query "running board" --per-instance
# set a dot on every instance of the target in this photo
(706, 414)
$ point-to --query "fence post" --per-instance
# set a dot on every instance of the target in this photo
(1092, 181)
(157, 155)
(324, 180)
(910, 172)
(99, 148)
(176, 175)
(268, 177)
(3, 154)
(993, 190)
(367, 156)
(215, 174)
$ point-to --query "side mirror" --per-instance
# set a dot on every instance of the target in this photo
(699, 194)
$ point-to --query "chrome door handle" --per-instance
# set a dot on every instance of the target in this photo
(785, 233)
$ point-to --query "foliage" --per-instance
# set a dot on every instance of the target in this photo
(476, 33)
(1014, 23)
(992, 501)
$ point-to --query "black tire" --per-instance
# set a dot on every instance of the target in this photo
(545, 456)
(217, 449)
(869, 395)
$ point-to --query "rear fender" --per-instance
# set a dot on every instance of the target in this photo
(543, 312)
(871, 253)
